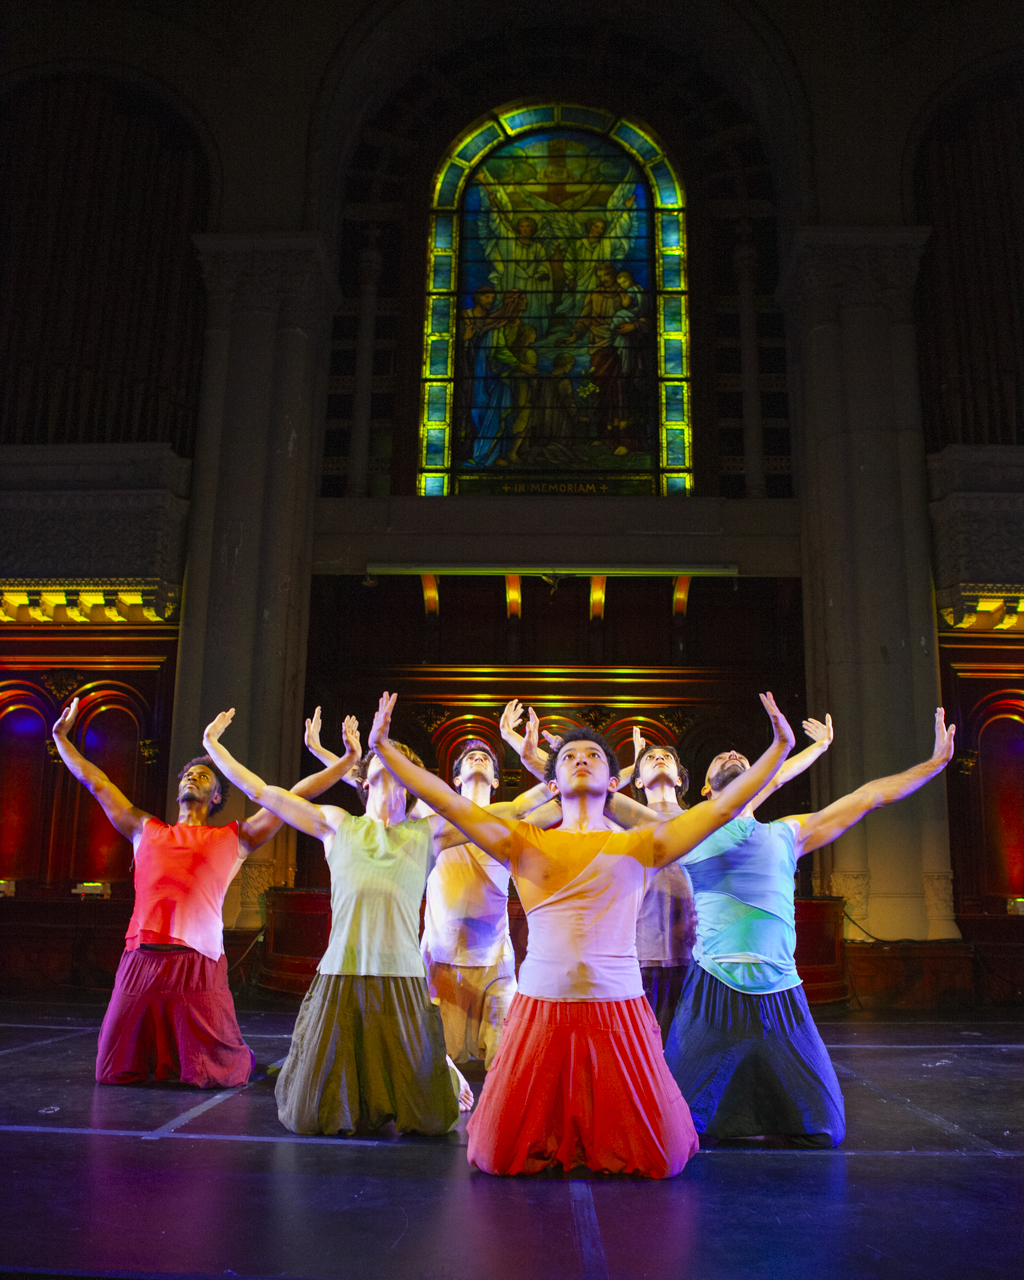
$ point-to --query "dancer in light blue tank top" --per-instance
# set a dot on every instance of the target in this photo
(743, 1047)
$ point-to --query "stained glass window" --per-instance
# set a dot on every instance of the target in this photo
(556, 348)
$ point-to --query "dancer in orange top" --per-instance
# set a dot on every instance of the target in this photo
(171, 1015)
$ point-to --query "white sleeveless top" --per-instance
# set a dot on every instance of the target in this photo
(582, 939)
(466, 918)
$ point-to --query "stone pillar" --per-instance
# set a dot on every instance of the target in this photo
(869, 612)
(744, 261)
(244, 619)
(370, 263)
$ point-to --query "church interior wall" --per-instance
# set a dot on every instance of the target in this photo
(832, 106)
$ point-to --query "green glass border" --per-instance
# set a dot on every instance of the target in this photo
(465, 154)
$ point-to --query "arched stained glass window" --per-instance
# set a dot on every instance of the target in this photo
(556, 347)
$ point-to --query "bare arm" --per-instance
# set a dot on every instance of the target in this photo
(821, 739)
(628, 812)
(679, 835)
(125, 816)
(813, 830)
(639, 743)
(491, 833)
(263, 824)
(316, 820)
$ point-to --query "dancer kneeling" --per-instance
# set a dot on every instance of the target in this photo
(368, 1045)
(171, 1015)
(743, 1046)
(580, 1078)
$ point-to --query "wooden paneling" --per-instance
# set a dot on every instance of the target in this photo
(740, 637)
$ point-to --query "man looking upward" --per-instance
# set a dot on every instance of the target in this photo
(466, 943)
(171, 1015)
(666, 926)
(580, 1077)
(743, 1044)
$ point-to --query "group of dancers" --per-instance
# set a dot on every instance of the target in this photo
(658, 999)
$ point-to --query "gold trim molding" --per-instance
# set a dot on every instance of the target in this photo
(69, 602)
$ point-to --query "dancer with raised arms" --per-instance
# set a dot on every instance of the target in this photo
(743, 1045)
(171, 1015)
(580, 1078)
(368, 1045)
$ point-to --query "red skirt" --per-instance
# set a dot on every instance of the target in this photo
(581, 1083)
(171, 1016)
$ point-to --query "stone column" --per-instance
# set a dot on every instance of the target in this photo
(744, 261)
(370, 262)
(869, 615)
(243, 629)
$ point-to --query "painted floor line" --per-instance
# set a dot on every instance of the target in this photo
(38, 1044)
(342, 1143)
(198, 1110)
(49, 1026)
(940, 1122)
(593, 1264)
(961, 1047)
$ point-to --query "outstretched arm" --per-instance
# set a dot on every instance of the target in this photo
(126, 817)
(821, 739)
(813, 830)
(263, 824)
(639, 744)
(491, 833)
(681, 834)
(316, 820)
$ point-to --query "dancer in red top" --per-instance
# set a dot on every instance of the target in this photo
(580, 1077)
(171, 1015)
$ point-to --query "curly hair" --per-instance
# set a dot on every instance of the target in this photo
(225, 786)
(582, 734)
(361, 769)
(476, 744)
(684, 777)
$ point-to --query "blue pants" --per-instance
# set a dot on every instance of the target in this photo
(753, 1065)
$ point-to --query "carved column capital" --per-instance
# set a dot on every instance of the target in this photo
(834, 267)
(290, 275)
(854, 887)
(256, 877)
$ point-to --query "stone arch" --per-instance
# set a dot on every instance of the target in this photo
(379, 134)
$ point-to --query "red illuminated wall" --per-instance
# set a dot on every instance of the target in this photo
(52, 833)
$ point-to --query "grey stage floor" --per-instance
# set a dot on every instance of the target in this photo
(163, 1181)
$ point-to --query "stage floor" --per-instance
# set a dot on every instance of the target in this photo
(171, 1181)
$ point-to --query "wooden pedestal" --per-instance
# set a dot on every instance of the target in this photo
(298, 926)
(819, 949)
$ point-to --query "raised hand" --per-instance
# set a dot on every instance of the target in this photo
(380, 729)
(217, 725)
(944, 738)
(639, 743)
(552, 739)
(350, 734)
(531, 755)
(65, 720)
(312, 735)
(780, 725)
(819, 733)
(510, 718)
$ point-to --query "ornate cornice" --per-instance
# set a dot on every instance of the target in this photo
(59, 601)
